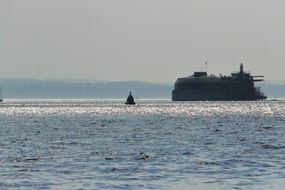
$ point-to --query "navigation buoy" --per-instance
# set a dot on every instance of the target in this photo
(130, 100)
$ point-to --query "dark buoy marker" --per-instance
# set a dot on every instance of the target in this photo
(130, 100)
(1, 95)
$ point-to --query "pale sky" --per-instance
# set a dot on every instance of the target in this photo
(148, 40)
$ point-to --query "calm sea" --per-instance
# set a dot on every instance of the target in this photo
(157, 144)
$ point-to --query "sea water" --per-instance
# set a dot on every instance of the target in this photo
(96, 144)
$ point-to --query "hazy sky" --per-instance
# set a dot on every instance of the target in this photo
(149, 40)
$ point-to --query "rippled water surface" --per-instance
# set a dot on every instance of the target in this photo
(153, 145)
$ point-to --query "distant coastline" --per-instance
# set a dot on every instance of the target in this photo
(27, 88)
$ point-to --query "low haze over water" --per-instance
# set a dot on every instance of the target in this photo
(153, 145)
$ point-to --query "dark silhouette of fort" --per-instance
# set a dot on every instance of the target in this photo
(201, 87)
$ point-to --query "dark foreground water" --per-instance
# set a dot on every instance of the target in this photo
(153, 145)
